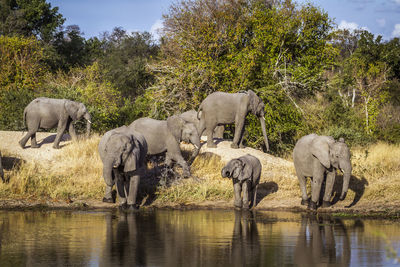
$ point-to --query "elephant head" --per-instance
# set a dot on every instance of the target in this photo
(184, 131)
(122, 151)
(334, 154)
(236, 169)
(257, 108)
(78, 111)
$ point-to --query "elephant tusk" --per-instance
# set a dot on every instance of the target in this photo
(195, 146)
(89, 121)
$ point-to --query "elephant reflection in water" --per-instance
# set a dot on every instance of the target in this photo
(319, 238)
(245, 250)
(124, 245)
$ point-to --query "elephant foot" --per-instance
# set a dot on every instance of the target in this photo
(34, 146)
(21, 145)
(343, 196)
(242, 146)
(312, 206)
(326, 204)
(238, 204)
(123, 207)
(56, 146)
(211, 145)
(235, 146)
(186, 174)
(108, 200)
(305, 202)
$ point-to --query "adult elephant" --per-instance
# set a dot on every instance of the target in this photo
(221, 108)
(191, 116)
(316, 157)
(48, 113)
(123, 153)
(1, 170)
(166, 135)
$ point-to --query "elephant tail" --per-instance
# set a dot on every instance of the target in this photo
(24, 120)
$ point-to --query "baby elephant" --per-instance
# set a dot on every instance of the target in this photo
(245, 173)
(123, 153)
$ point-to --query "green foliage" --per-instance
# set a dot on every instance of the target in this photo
(29, 17)
(87, 85)
(21, 75)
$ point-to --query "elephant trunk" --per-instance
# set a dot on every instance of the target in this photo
(107, 173)
(88, 124)
(196, 142)
(346, 179)
(262, 122)
(225, 173)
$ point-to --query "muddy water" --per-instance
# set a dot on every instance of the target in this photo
(194, 238)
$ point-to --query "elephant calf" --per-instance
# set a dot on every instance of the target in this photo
(48, 113)
(1, 170)
(316, 157)
(245, 173)
(123, 153)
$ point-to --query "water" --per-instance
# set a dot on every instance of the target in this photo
(194, 238)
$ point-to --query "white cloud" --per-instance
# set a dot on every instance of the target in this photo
(397, 2)
(155, 28)
(351, 26)
(381, 22)
(396, 31)
(348, 25)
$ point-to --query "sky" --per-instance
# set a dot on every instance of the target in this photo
(380, 17)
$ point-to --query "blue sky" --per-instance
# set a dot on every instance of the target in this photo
(96, 16)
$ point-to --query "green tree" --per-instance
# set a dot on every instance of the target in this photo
(29, 17)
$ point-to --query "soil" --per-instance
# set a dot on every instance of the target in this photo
(272, 166)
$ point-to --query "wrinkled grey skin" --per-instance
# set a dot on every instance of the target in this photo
(318, 156)
(123, 153)
(245, 173)
(165, 136)
(47, 113)
(221, 108)
(1, 170)
(191, 116)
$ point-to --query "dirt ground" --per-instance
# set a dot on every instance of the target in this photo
(275, 169)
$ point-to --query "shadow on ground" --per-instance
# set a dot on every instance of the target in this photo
(265, 189)
(357, 185)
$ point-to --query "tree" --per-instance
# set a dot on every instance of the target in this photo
(29, 17)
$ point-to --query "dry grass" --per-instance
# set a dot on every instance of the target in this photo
(77, 173)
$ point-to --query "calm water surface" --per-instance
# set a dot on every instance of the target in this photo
(194, 238)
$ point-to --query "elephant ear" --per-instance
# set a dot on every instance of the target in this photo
(175, 126)
(72, 109)
(321, 150)
(134, 160)
(247, 172)
(255, 103)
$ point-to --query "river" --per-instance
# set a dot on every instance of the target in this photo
(194, 238)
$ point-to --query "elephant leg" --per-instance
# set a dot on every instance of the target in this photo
(253, 197)
(60, 131)
(330, 181)
(71, 130)
(241, 145)
(237, 189)
(121, 190)
(219, 132)
(318, 176)
(245, 190)
(168, 160)
(33, 141)
(133, 188)
(210, 136)
(185, 167)
(303, 182)
(239, 125)
(30, 134)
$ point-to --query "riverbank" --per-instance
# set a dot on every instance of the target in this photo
(71, 178)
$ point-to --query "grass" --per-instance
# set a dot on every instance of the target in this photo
(76, 173)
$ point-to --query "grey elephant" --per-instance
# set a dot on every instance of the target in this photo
(316, 157)
(166, 135)
(123, 153)
(245, 172)
(221, 108)
(49, 113)
(191, 116)
(1, 170)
